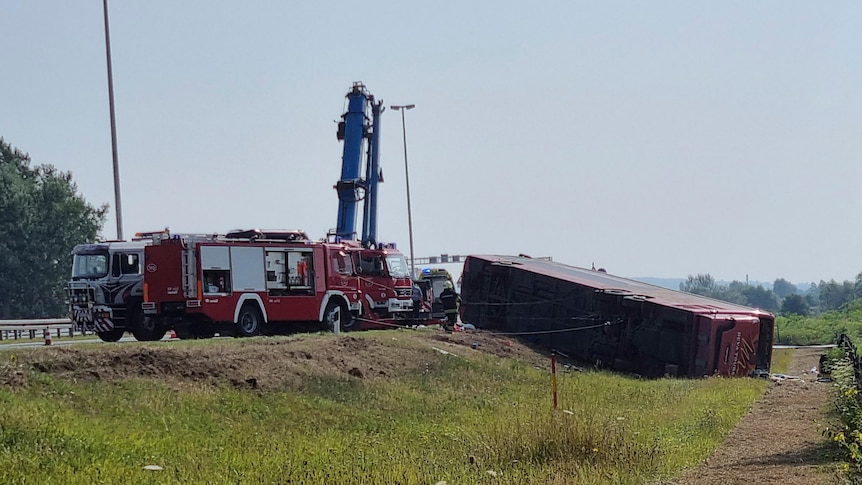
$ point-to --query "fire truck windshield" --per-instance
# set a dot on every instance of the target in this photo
(90, 266)
(397, 266)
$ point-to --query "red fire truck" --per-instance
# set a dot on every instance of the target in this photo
(245, 283)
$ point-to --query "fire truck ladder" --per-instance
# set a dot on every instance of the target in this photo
(190, 287)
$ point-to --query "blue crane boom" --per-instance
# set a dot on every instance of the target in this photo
(358, 131)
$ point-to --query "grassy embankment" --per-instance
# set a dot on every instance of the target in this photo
(474, 418)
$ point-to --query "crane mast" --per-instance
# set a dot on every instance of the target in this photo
(359, 129)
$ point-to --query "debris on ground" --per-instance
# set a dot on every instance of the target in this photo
(444, 352)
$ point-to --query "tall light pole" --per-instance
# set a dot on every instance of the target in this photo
(402, 109)
(118, 208)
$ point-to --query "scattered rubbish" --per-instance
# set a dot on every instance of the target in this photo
(444, 352)
(783, 377)
(492, 473)
(824, 379)
(475, 345)
(153, 468)
(441, 482)
(568, 412)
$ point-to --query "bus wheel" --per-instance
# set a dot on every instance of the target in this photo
(249, 322)
(337, 312)
(111, 335)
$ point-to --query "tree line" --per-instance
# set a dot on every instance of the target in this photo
(784, 297)
(42, 217)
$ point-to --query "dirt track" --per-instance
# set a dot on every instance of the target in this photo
(779, 440)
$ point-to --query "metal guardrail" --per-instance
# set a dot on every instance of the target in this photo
(35, 328)
(850, 350)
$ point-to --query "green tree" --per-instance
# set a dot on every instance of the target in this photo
(760, 297)
(812, 295)
(705, 285)
(42, 217)
(733, 292)
(795, 304)
(702, 284)
(833, 294)
(782, 288)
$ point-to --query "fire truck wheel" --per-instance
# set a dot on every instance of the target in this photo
(149, 330)
(205, 331)
(250, 322)
(146, 329)
(338, 312)
(112, 335)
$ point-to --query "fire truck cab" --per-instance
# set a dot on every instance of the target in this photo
(105, 291)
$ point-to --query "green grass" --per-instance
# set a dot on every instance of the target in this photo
(821, 329)
(462, 420)
(780, 360)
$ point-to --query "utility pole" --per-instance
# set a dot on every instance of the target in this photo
(118, 207)
(402, 109)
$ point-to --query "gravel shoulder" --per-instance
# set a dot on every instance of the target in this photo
(780, 438)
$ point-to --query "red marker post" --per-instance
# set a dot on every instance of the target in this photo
(554, 376)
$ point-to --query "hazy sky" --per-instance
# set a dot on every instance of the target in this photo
(653, 138)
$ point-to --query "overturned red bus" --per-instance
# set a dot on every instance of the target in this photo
(615, 322)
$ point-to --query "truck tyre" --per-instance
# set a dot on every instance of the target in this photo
(203, 330)
(112, 335)
(338, 312)
(150, 330)
(249, 322)
(145, 329)
(184, 331)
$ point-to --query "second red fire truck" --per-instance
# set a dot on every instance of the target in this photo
(244, 283)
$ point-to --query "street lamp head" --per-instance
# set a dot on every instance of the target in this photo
(404, 106)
